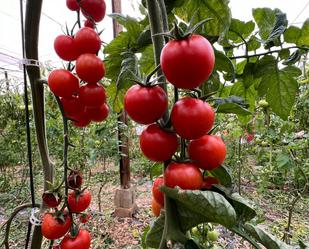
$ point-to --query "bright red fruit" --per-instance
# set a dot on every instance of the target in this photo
(81, 241)
(192, 118)
(155, 207)
(93, 9)
(65, 47)
(63, 83)
(157, 194)
(92, 95)
(187, 63)
(209, 181)
(87, 41)
(72, 5)
(90, 68)
(157, 144)
(97, 114)
(81, 120)
(53, 227)
(72, 106)
(208, 151)
(145, 105)
(79, 201)
(184, 175)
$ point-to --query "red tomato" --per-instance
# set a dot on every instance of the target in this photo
(65, 47)
(79, 202)
(92, 95)
(75, 179)
(158, 145)
(93, 9)
(189, 62)
(81, 120)
(81, 241)
(90, 68)
(87, 41)
(209, 181)
(90, 24)
(97, 114)
(155, 207)
(208, 151)
(51, 199)
(63, 83)
(72, 5)
(156, 193)
(192, 118)
(53, 228)
(145, 105)
(72, 106)
(184, 175)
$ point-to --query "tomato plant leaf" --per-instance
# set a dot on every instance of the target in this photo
(265, 18)
(224, 64)
(303, 40)
(239, 28)
(293, 58)
(223, 175)
(284, 53)
(156, 170)
(282, 91)
(216, 9)
(254, 43)
(266, 239)
(211, 206)
(245, 212)
(232, 104)
(155, 232)
(292, 34)
(277, 31)
(146, 62)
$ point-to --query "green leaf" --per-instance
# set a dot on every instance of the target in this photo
(239, 28)
(253, 43)
(144, 236)
(155, 232)
(211, 206)
(292, 34)
(223, 175)
(279, 28)
(266, 239)
(239, 230)
(284, 53)
(265, 19)
(191, 244)
(146, 61)
(144, 38)
(224, 64)
(303, 40)
(216, 9)
(293, 58)
(248, 78)
(248, 94)
(156, 170)
(282, 91)
(232, 104)
(283, 161)
(245, 212)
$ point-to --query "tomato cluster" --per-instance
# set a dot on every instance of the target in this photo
(82, 97)
(187, 63)
(57, 223)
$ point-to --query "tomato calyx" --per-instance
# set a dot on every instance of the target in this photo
(74, 231)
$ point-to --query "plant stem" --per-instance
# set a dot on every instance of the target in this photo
(239, 166)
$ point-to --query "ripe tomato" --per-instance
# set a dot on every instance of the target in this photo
(72, 106)
(92, 95)
(145, 105)
(81, 120)
(78, 202)
(209, 181)
(158, 145)
(87, 41)
(208, 151)
(81, 241)
(53, 228)
(75, 179)
(72, 5)
(65, 47)
(184, 175)
(155, 207)
(192, 118)
(88, 23)
(63, 83)
(90, 68)
(94, 9)
(156, 193)
(97, 114)
(189, 62)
